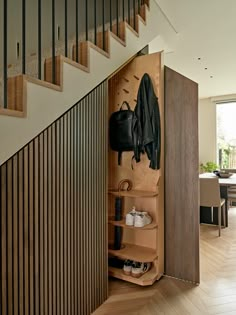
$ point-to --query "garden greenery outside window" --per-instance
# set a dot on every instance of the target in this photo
(226, 134)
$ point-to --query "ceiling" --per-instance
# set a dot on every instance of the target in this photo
(199, 41)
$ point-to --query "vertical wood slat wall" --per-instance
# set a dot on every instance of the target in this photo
(53, 202)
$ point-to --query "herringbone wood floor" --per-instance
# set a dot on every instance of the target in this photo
(215, 295)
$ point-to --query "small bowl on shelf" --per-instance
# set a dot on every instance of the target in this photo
(223, 174)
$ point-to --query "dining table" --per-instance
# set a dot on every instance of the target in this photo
(225, 183)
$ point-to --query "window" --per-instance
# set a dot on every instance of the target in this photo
(226, 134)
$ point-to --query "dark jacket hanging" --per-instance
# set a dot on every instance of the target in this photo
(146, 124)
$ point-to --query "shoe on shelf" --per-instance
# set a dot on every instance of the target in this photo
(139, 268)
(142, 219)
(127, 267)
(130, 216)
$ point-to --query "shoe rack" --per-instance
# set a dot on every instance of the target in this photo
(144, 244)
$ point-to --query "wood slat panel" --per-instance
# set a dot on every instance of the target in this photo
(65, 189)
(36, 224)
(49, 218)
(53, 216)
(54, 221)
(9, 239)
(15, 233)
(26, 230)
(61, 181)
(21, 231)
(31, 226)
(45, 222)
(181, 177)
(4, 282)
(41, 223)
(57, 210)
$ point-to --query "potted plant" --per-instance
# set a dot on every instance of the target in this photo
(208, 167)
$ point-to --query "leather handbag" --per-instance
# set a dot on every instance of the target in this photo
(120, 130)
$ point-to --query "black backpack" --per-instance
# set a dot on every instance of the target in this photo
(120, 131)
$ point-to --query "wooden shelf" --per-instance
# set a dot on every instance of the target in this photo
(147, 279)
(134, 193)
(150, 226)
(135, 252)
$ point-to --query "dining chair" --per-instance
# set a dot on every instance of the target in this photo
(231, 191)
(210, 197)
(231, 195)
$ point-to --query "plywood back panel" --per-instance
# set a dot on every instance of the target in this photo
(123, 86)
(53, 216)
(181, 177)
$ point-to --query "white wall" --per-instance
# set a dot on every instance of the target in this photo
(207, 130)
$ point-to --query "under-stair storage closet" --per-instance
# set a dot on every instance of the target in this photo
(139, 245)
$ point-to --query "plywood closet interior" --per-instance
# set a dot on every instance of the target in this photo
(141, 244)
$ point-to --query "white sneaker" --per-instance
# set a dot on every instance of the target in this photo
(139, 268)
(127, 267)
(142, 219)
(129, 218)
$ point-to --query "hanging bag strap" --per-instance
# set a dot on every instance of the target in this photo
(127, 105)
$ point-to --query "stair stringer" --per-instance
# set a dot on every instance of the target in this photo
(46, 104)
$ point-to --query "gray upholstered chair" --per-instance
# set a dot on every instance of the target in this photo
(231, 191)
(210, 197)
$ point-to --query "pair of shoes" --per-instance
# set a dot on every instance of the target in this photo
(137, 218)
(135, 269)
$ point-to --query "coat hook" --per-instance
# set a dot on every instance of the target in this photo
(137, 78)
(126, 91)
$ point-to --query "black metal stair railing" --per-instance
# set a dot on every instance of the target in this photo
(82, 20)
(5, 31)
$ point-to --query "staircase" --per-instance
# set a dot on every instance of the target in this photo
(34, 104)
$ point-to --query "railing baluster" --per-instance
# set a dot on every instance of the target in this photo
(77, 30)
(66, 33)
(134, 12)
(53, 44)
(95, 22)
(86, 19)
(117, 18)
(39, 40)
(23, 36)
(110, 16)
(123, 10)
(5, 53)
(129, 12)
(103, 25)
(139, 6)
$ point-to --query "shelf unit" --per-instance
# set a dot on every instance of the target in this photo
(134, 193)
(147, 279)
(121, 223)
(147, 194)
(134, 252)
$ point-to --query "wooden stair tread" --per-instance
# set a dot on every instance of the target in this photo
(11, 112)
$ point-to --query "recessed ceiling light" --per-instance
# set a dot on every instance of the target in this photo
(211, 76)
(199, 58)
(205, 68)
